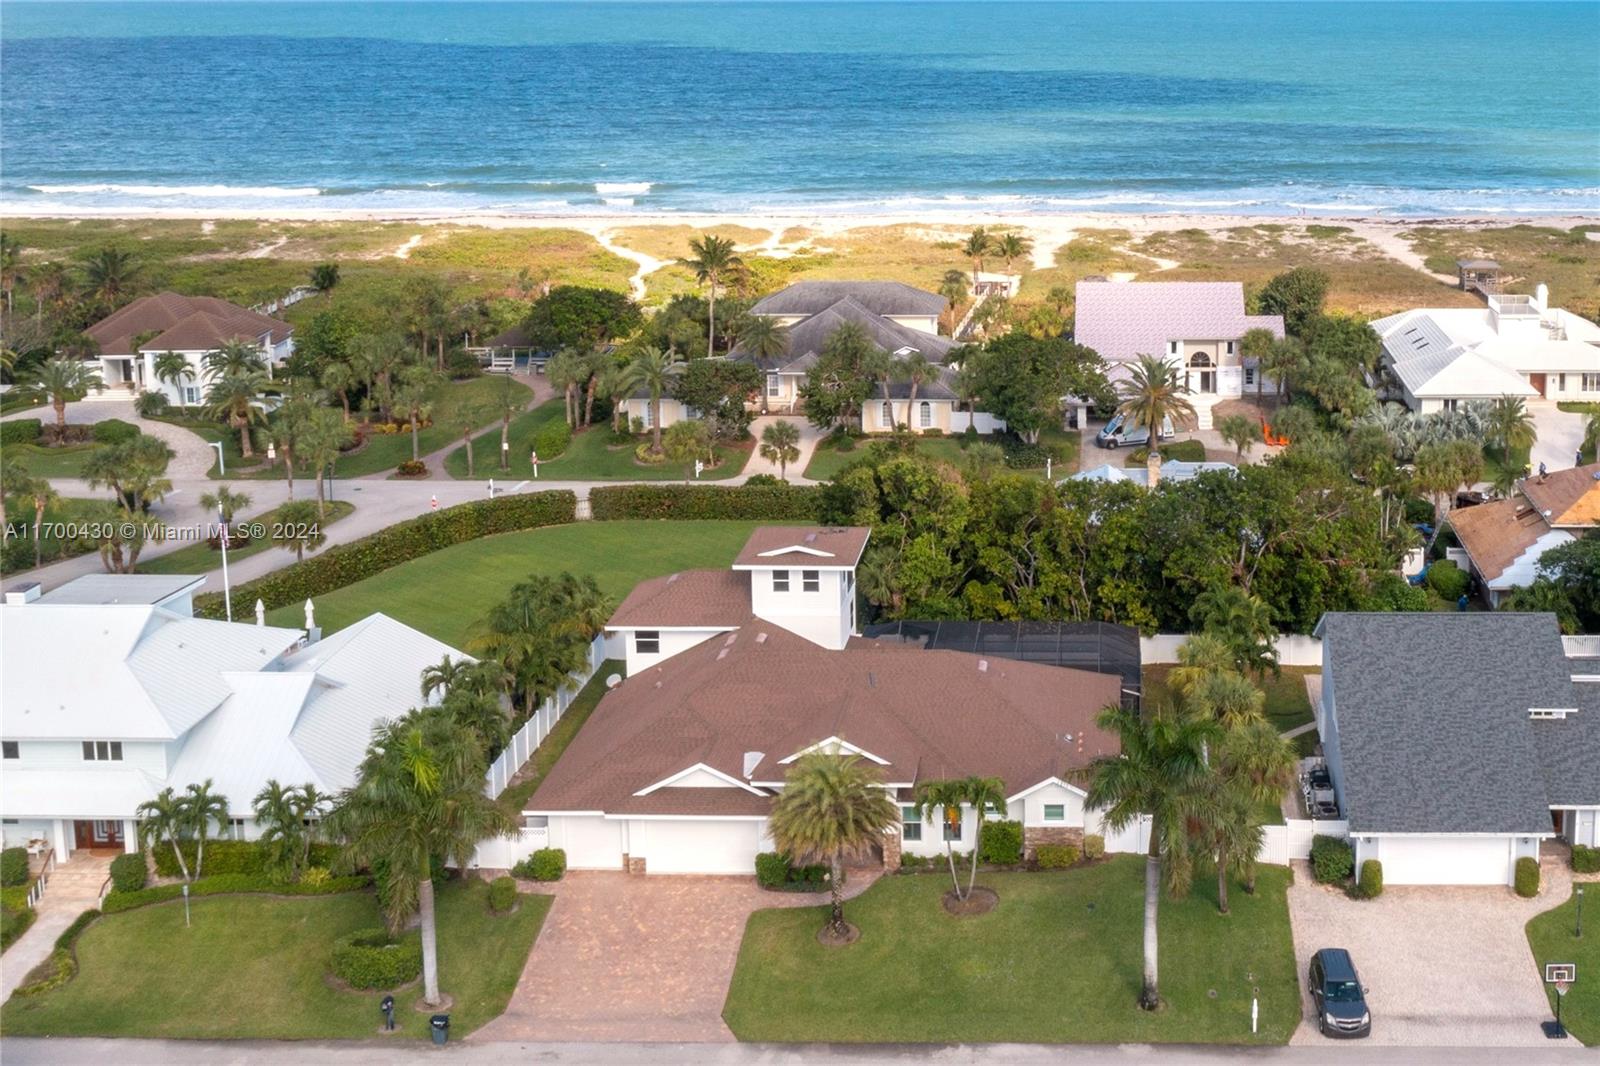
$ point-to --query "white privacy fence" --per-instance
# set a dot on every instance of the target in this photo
(1281, 843)
(1293, 649)
(532, 734)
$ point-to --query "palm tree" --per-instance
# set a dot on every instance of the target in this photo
(443, 675)
(615, 382)
(110, 274)
(201, 807)
(1254, 765)
(1240, 432)
(1154, 392)
(763, 337)
(831, 807)
(655, 369)
(1510, 427)
(1158, 775)
(1442, 468)
(565, 370)
(310, 807)
(172, 368)
(955, 289)
(415, 398)
(49, 283)
(979, 245)
(10, 266)
(233, 398)
(780, 443)
(60, 382)
(163, 818)
(39, 490)
(713, 258)
(134, 470)
(948, 797)
(235, 357)
(340, 378)
(324, 276)
(418, 795)
(322, 436)
(296, 527)
(1011, 247)
(594, 365)
(375, 358)
(1243, 622)
(225, 502)
(278, 818)
(1591, 431)
(685, 442)
(540, 633)
(1202, 655)
(1285, 358)
(915, 370)
(1257, 344)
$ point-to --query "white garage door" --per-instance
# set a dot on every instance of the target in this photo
(1442, 860)
(691, 847)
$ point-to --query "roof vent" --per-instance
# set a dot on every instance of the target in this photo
(810, 538)
(731, 638)
(752, 759)
(1539, 714)
(721, 655)
(672, 578)
(761, 638)
(872, 679)
(983, 666)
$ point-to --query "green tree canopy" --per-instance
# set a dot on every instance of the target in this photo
(578, 316)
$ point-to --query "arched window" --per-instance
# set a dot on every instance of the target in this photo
(1199, 359)
(925, 414)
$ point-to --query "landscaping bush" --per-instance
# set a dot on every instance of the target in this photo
(128, 872)
(371, 958)
(53, 434)
(1183, 451)
(913, 862)
(552, 440)
(151, 404)
(316, 876)
(21, 431)
(412, 468)
(546, 864)
(502, 894)
(15, 916)
(1023, 456)
(114, 431)
(1370, 884)
(13, 867)
(1002, 843)
(1585, 860)
(1094, 846)
(772, 869)
(222, 857)
(1391, 592)
(1055, 856)
(764, 479)
(1526, 878)
(1332, 859)
(1448, 580)
(231, 884)
(770, 503)
(345, 564)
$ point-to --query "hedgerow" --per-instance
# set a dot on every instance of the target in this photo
(769, 503)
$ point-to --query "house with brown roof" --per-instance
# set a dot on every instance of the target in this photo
(133, 336)
(1504, 540)
(731, 681)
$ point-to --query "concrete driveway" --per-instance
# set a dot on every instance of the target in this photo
(1445, 966)
(1559, 436)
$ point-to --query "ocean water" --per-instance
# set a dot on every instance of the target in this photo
(553, 108)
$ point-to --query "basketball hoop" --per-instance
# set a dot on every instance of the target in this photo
(1561, 987)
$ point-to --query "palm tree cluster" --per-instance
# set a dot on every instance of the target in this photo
(944, 802)
(540, 635)
(289, 821)
(176, 818)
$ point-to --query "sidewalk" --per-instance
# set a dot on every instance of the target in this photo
(73, 888)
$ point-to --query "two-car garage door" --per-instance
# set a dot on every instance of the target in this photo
(696, 847)
(1446, 860)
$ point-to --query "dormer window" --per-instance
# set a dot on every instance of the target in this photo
(810, 581)
(780, 581)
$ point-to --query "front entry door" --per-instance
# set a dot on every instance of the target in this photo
(1538, 383)
(98, 833)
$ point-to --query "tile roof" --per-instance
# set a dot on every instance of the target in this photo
(877, 297)
(183, 324)
(711, 598)
(815, 547)
(764, 690)
(1122, 320)
(1569, 497)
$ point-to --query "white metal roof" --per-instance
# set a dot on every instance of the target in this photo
(146, 589)
(72, 793)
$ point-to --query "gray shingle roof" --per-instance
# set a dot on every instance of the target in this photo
(879, 297)
(1433, 727)
(807, 338)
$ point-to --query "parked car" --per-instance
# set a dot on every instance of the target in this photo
(1338, 995)
(1118, 432)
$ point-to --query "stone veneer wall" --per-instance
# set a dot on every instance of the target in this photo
(891, 850)
(1034, 835)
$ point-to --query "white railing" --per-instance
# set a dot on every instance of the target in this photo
(527, 739)
(1292, 840)
(289, 299)
(36, 892)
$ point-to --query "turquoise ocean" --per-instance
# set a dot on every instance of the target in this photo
(553, 108)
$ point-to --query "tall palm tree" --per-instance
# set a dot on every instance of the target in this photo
(60, 382)
(566, 370)
(1011, 247)
(278, 819)
(615, 382)
(1244, 622)
(443, 675)
(1442, 468)
(948, 797)
(979, 246)
(225, 502)
(310, 807)
(201, 807)
(110, 275)
(655, 369)
(134, 470)
(1154, 392)
(780, 443)
(49, 283)
(10, 267)
(1257, 344)
(172, 368)
(915, 370)
(712, 258)
(1254, 766)
(1158, 774)
(1202, 655)
(235, 357)
(163, 818)
(832, 807)
(323, 434)
(418, 795)
(763, 337)
(1509, 427)
(376, 358)
(955, 288)
(414, 398)
(39, 490)
(340, 378)
(234, 398)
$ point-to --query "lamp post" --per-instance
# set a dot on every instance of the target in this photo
(222, 467)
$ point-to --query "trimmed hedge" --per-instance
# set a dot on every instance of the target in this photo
(1370, 884)
(1002, 843)
(1055, 856)
(771, 503)
(345, 564)
(21, 431)
(1448, 580)
(371, 958)
(1332, 859)
(62, 965)
(1094, 846)
(502, 894)
(128, 872)
(115, 431)
(231, 884)
(14, 921)
(1526, 878)
(1585, 860)
(772, 869)
(13, 867)
(775, 872)
(552, 440)
(546, 864)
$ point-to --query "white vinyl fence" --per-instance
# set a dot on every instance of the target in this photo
(529, 737)
(1292, 840)
(1293, 649)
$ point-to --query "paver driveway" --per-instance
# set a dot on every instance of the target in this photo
(1444, 966)
(625, 958)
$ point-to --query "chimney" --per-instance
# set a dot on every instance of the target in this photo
(752, 759)
(261, 613)
(27, 592)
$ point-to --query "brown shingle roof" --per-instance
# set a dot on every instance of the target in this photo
(928, 714)
(1496, 534)
(1569, 497)
(182, 323)
(842, 546)
(690, 598)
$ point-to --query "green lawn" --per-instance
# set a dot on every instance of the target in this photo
(41, 461)
(828, 460)
(446, 592)
(546, 754)
(1057, 961)
(593, 455)
(1287, 703)
(1550, 937)
(252, 967)
(18, 553)
(201, 558)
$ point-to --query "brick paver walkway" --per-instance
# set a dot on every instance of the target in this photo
(625, 958)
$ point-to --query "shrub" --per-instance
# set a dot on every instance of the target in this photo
(114, 431)
(764, 479)
(646, 453)
(345, 564)
(1002, 843)
(773, 503)
(1526, 878)
(502, 894)
(231, 884)
(843, 442)
(546, 864)
(1055, 856)
(1370, 884)
(21, 431)
(222, 857)
(1023, 456)
(913, 862)
(14, 921)
(1094, 846)
(1332, 859)
(1391, 592)
(1448, 580)
(128, 872)
(1585, 860)
(151, 404)
(316, 877)
(552, 440)
(412, 468)
(772, 869)
(371, 958)
(13, 867)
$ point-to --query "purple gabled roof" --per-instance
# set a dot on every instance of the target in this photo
(1125, 319)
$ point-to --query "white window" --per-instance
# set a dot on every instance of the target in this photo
(1561, 383)
(780, 581)
(810, 581)
(1447, 405)
(10, 750)
(772, 385)
(236, 828)
(102, 751)
(647, 413)
(647, 641)
(925, 414)
(1591, 383)
(191, 395)
(910, 824)
(951, 832)
(886, 417)
(1055, 812)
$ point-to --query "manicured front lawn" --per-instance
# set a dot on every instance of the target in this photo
(252, 967)
(1550, 937)
(829, 460)
(201, 558)
(446, 592)
(546, 754)
(41, 461)
(1057, 961)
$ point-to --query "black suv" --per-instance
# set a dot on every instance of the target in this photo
(1337, 994)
